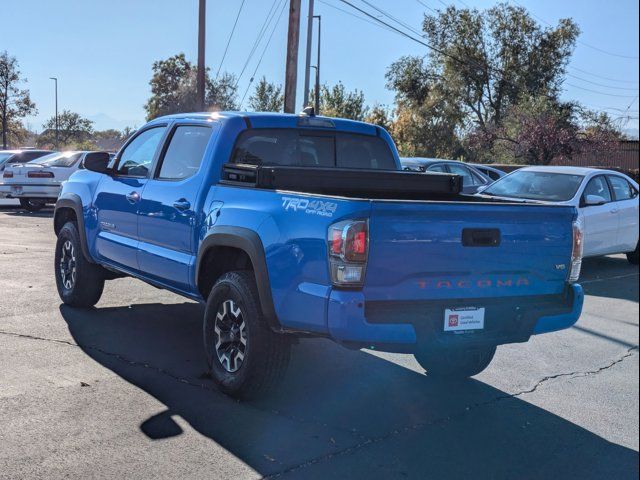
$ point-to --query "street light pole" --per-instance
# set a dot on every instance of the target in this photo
(202, 14)
(317, 108)
(307, 69)
(55, 79)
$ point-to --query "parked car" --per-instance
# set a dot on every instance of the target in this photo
(7, 157)
(290, 226)
(37, 182)
(607, 203)
(472, 178)
(490, 172)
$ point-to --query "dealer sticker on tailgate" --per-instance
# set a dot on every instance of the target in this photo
(464, 318)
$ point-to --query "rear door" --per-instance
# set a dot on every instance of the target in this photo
(167, 212)
(118, 199)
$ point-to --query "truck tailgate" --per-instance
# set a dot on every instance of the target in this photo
(437, 251)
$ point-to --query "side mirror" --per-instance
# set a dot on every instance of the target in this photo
(97, 162)
(594, 200)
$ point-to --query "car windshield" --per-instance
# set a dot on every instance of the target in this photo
(65, 159)
(544, 186)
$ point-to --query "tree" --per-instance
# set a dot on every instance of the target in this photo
(337, 102)
(480, 65)
(73, 129)
(173, 88)
(267, 97)
(539, 130)
(381, 116)
(15, 103)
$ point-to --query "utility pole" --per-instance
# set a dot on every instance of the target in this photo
(291, 74)
(307, 66)
(55, 79)
(202, 14)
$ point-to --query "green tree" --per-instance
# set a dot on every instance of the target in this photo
(482, 63)
(336, 101)
(15, 103)
(380, 115)
(267, 97)
(73, 129)
(173, 88)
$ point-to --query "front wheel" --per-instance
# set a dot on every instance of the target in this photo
(245, 356)
(632, 257)
(455, 363)
(31, 205)
(79, 282)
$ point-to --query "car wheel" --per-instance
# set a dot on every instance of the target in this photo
(455, 363)
(31, 205)
(79, 282)
(246, 358)
(633, 256)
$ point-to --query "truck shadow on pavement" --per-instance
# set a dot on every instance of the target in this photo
(611, 276)
(340, 413)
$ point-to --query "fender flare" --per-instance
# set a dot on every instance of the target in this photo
(73, 201)
(248, 241)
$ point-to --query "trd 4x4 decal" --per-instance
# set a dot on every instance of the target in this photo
(311, 207)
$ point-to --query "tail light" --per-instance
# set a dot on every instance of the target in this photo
(576, 252)
(348, 250)
(7, 174)
(38, 174)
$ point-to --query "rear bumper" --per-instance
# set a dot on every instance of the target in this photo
(401, 325)
(27, 190)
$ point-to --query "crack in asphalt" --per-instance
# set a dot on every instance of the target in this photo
(366, 441)
(448, 418)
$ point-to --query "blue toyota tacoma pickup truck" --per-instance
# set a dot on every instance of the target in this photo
(300, 225)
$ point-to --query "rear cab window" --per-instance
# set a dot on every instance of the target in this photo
(309, 148)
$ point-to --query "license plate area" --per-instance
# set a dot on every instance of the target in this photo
(464, 319)
(16, 190)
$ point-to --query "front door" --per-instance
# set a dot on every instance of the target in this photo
(167, 215)
(626, 200)
(118, 200)
(600, 221)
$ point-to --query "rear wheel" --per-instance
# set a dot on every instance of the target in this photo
(633, 256)
(31, 204)
(455, 363)
(245, 356)
(79, 282)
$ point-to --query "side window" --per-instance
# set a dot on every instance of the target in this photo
(467, 178)
(598, 186)
(438, 168)
(136, 157)
(622, 190)
(184, 154)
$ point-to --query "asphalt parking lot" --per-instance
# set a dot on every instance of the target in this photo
(121, 391)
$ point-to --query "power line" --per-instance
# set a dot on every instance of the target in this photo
(388, 15)
(229, 39)
(600, 76)
(275, 26)
(259, 37)
(352, 14)
(601, 50)
(601, 84)
(599, 92)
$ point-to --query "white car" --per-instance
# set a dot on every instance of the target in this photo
(607, 203)
(38, 182)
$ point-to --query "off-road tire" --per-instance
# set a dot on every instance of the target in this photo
(455, 363)
(31, 205)
(266, 353)
(86, 288)
(632, 257)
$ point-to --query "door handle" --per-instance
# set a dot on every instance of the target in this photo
(614, 210)
(182, 204)
(133, 197)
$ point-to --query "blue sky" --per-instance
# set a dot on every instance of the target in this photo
(102, 51)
